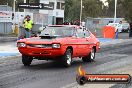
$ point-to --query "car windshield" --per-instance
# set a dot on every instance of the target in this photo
(111, 24)
(115, 24)
(57, 31)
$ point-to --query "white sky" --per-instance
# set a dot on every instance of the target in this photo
(104, 2)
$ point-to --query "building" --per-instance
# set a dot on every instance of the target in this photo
(5, 19)
(51, 13)
(57, 14)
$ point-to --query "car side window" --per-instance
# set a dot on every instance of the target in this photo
(87, 33)
(74, 32)
(66, 32)
(80, 33)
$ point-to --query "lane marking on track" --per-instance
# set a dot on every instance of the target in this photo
(8, 53)
(103, 40)
(3, 57)
(71, 85)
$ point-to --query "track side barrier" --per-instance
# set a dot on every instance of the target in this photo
(108, 32)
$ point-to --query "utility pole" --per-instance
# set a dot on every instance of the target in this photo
(81, 14)
(115, 11)
(14, 7)
(25, 2)
(116, 35)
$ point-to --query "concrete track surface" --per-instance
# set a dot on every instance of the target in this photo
(49, 74)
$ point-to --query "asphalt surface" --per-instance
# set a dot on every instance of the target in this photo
(49, 74)
(123, 35)
(43, 74)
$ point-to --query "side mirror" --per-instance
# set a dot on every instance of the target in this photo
(44, 28)
(41, 28)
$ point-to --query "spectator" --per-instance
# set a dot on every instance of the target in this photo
(28, 24)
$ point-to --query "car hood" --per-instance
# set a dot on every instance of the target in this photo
(39, 40)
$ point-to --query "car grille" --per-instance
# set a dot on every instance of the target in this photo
(40, 45)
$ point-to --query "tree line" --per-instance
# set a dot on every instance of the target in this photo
(95, 8)
(91, 8)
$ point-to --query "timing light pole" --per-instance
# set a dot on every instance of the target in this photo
(81, 14)
(14, 7)
(115, 11)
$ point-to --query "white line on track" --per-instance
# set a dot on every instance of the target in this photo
(72, 85)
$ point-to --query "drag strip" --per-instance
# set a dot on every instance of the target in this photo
(50, 74)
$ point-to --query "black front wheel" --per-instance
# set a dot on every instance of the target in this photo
(67, 58)
(26, 60)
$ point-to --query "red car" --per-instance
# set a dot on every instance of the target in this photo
(61, 43)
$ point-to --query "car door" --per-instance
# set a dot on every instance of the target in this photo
(89, 42)
(81, 43)
(73, 41)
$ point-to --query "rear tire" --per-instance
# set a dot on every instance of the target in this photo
(26, 60)
(67, 58)
(90, 57)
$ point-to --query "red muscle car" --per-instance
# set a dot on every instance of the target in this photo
(61, 43)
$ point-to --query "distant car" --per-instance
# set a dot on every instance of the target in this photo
(118, 27)
(125, 27)
(60, 43)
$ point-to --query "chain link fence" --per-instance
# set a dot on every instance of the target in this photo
(95, 25)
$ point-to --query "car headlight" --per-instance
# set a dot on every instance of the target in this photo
(55, 45)
(21, 44)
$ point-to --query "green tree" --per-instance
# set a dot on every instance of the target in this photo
(127, 4)
(111, 8)
(72, 10)
(92, 8)
(68, 5)
(124, 9)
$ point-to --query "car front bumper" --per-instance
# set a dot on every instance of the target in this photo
(42, 52)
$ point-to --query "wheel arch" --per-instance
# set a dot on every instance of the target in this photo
(70, 47)
(94, 47)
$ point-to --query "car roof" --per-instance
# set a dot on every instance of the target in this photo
(125, 23)
(75, 26)
(113, 23)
